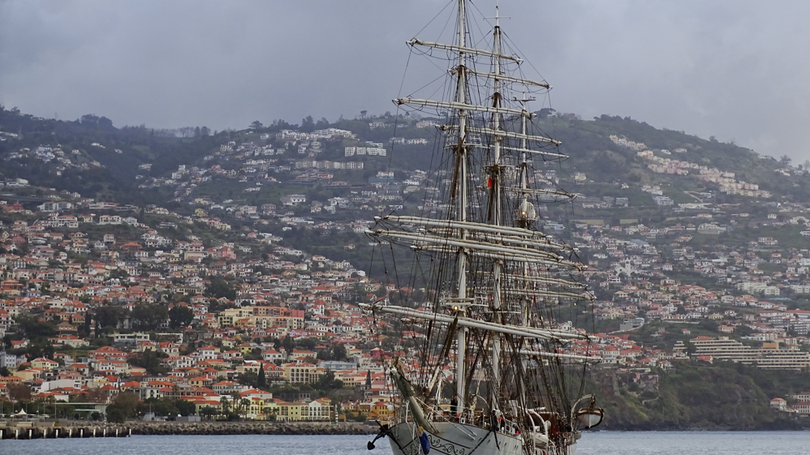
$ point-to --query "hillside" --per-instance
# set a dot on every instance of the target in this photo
(686, 239)
(96, 159)
(592, 151)
(690, 397)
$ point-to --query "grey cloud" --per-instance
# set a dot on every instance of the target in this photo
(735, 69)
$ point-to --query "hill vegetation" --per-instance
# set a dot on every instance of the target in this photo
(708, 397)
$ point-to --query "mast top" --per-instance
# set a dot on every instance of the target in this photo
(498, 15)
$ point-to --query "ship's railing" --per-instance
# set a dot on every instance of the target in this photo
(436, 413)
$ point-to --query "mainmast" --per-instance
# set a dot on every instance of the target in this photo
(461, 208)
(527, 212)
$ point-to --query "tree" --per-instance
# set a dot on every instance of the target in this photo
(545, 112)
(327, 381)
(209, 411)
(99, 342)
(272, 413)
(244, 405)
(160, 406)
(254, 354)
(219, 288)
(248, 378)
(19, 392)
(148, 316)
(115, 414)
(381, 291)
(287, 344)
(35, 328)
(308, 343)
(237, 403)
(256, 125)
(88, 324)
(40, 347)
(108, 316)
(339, 351)
(180, 316)
(150, 360)
(119, 274)
(225, 404)
(94, 395)
(335, 352)
(307, 124)
(124, 406)
(261, 382)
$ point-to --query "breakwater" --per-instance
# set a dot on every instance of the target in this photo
(224, 428)
(184, 428)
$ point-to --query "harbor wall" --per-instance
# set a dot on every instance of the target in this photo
(41, 430)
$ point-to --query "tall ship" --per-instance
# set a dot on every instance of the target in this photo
(492, 366)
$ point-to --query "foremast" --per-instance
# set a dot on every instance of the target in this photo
(495, 205)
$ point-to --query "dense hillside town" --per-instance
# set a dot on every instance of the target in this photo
(239, 296)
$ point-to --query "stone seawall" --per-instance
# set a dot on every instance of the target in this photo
(223, 428)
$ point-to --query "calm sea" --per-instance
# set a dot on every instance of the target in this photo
(599, 443)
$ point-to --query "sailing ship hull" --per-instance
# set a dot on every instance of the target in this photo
(459, 439)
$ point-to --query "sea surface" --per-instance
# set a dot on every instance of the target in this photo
(598, 443)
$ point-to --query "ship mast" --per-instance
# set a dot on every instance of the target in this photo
(496, 208)
(461, 208)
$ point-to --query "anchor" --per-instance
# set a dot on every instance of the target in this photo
(384, 431)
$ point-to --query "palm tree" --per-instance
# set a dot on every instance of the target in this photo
(273, 412)
(245, 405)
(237, 403)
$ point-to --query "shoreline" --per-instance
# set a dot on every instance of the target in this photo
(80, 429)
(209, 428)
(259, 428)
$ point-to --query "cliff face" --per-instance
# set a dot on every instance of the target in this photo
(692, 397)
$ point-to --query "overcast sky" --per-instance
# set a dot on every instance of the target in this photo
(735, 69)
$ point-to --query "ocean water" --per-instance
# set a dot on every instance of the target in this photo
(598, 443)
(695, 443)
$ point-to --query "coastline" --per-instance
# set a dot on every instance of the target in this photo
(236, 428)
(215, 428)
(79, 429)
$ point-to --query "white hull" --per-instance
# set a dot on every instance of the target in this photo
(459, 439)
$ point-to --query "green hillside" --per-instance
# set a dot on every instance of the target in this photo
(716, 397)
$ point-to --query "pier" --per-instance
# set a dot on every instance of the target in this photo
(41, 430)
(51, 432)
